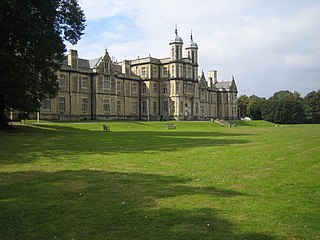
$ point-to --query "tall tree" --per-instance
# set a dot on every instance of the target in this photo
(254, 108)
(312, 101)
(32, 48)
(284, 107)
(243, 101)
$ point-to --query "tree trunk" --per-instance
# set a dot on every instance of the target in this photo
(3, 117)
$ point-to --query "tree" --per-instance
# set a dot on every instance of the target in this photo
(255, 106)
(32, 49)
(284, 107)
(312, 102)
(243, 101)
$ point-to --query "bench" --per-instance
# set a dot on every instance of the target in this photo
(106, 128)
(170, 126)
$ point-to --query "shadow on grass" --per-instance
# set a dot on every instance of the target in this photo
(89, 204)
(25, 144)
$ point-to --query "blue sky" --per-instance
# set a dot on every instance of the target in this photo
(267, 45)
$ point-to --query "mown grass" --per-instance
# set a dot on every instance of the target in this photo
(141, 181)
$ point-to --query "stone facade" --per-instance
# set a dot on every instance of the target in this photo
(142, 88)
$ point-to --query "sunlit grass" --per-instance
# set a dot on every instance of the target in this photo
(141, 181)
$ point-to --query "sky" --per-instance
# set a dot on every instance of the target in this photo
(267, 45)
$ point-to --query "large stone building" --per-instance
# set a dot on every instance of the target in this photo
(142, 88)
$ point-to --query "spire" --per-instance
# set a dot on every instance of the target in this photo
(192, 43)
(176, 39)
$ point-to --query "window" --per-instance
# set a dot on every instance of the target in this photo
(62, 80)
(184, 88)
(83, 82)
(165, 88)
(214, 97)
(155, 88)
(119, 86)
(197, 108)
(164, 72)
(135, 107)
(190, 88)
(106, 105)
(106, 66)
(154, 107)
(84, 105)
(46, 105)
(62, 104)
(143, 71)
(134, 88)
(173, 106)
(181, 107)
(106, 82)
(202, 94)
(118, 106)
(144, 88)
(172, 71)
(144, 106)
(202, 109)
(177, 87)
(154, 72)
(165, 107)
(177, 72)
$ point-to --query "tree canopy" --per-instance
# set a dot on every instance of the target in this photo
(283, 107)
(32, 48)
(312, 101)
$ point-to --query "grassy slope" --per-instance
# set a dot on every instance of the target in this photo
(141, 181)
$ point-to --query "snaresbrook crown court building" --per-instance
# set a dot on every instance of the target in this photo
(141, 88)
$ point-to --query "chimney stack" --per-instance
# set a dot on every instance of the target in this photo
(126, 68)
(73, 59)
(213, 74)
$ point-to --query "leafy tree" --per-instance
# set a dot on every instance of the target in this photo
(255, 107)
(284, 107)
(243, 101)
(312, 102)
(32, 48)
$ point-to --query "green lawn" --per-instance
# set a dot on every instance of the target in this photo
(141, 181)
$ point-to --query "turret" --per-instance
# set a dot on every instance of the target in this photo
(192, 50)
(176, 47)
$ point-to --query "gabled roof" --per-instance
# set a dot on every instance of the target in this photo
(203, 81)
(227, 85)
(223, 84)
(94, 62)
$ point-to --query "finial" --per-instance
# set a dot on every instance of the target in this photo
(176, 29)
(191, 35)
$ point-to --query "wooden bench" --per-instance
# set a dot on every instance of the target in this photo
(106, 128)
(170, 126)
